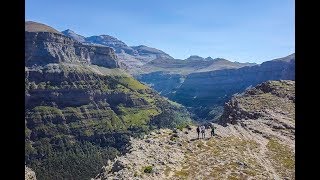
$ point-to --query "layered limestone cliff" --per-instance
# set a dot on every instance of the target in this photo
(42, 48)
(80, 108)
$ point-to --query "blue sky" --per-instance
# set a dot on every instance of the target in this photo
(238, 30)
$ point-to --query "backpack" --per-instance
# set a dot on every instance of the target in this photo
(202, 129)
(198, 130)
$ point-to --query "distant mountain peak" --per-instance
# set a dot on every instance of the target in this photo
(291, 56)
(220, 59)
(108, 37)
(140, 46)
(68, 30)
(286, 58)
(106, 40)
(208, 58)
(194, 58)
(146, 48)
(70, 33)
(199, 58)
(143, 49)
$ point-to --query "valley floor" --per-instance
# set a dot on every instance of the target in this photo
(235, 152)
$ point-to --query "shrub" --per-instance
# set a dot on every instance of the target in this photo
(42, 85)
(33, 85)
(147, 169)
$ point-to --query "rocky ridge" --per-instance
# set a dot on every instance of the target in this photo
(193, 64)
(234, 152)
(249, 148)
(270, 104)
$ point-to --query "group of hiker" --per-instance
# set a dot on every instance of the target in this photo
(202, 129)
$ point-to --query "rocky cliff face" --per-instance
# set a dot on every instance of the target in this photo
(203, 92)
(46, 47)
(164, 83)
(79, 111)
(252, 147)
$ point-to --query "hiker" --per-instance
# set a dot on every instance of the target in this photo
(212, 130)
(198, 131)
(203, 133)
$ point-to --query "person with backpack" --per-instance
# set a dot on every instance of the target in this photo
(203, 133)
(212, 130)
(198, 131)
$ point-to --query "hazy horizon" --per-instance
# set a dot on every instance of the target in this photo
(246, 31)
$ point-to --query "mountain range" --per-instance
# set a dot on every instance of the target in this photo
(143, 59)
(87, 97)
(203, 85)
(204, 93)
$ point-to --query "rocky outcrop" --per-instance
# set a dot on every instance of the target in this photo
(46, 47)
(259, 102)
(29, 174)
(268, 108)
(159, 154)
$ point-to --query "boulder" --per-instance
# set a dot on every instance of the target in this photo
(29, 174)
(117, 166)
